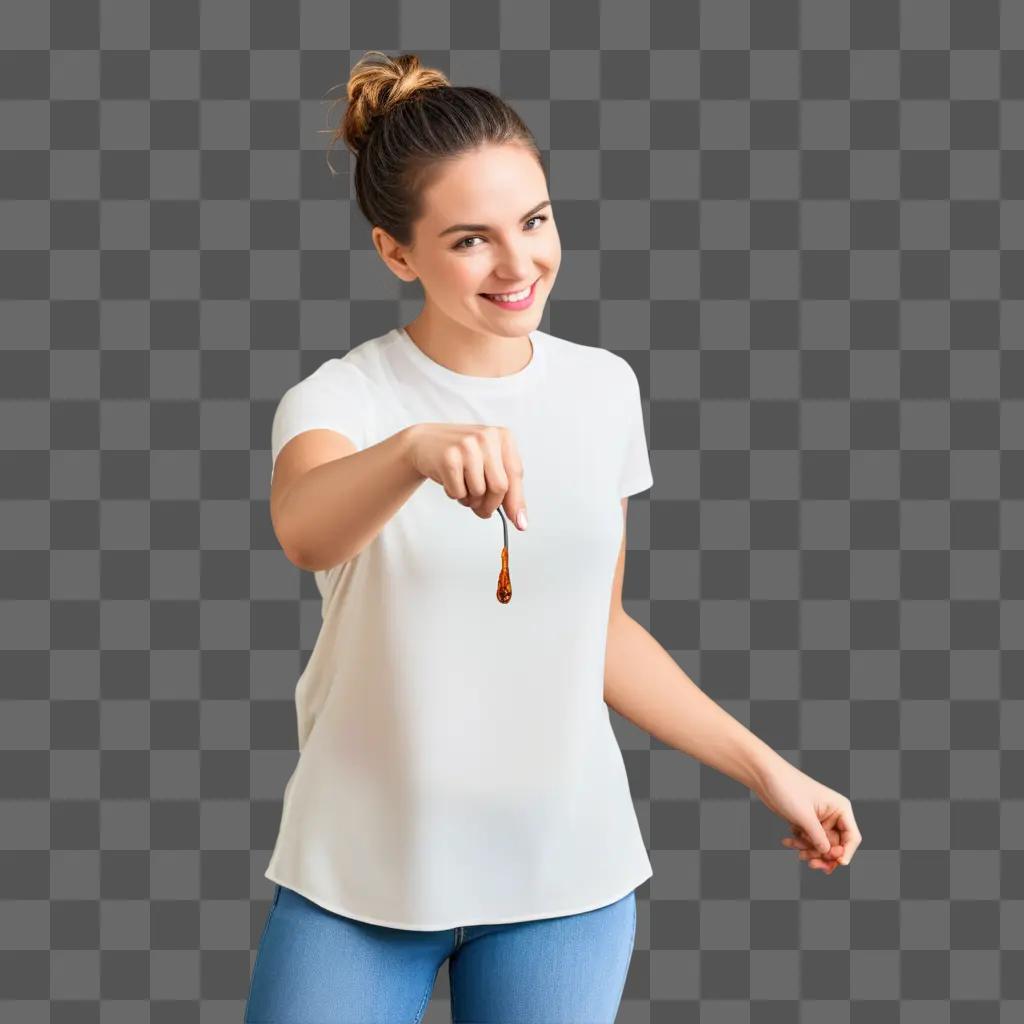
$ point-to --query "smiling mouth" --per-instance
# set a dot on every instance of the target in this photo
(512, 291)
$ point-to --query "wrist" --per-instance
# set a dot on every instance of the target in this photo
(766, 764)
(407, 438)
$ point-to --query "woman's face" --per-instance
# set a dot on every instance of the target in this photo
(487, 226)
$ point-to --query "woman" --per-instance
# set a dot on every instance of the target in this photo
(460, 794)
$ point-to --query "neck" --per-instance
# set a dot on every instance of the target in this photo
(463, 350)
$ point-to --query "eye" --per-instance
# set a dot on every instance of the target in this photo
(461, 243)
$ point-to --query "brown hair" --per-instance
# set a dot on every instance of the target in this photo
(402, 120)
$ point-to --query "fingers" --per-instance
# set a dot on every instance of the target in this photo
(828, 866)
(849, 832)
(828, 863)
(493, 473)
(833, 833)
(475, 472)
(514, 499)
(841, 829)
(809, 852)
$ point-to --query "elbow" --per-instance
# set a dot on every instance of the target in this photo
(288, 540)
(295, 556)
(299, 562)
(303, 560)
(293, 551)
(289, 548)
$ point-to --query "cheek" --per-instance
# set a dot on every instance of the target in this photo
(463, 277)
(451, 277)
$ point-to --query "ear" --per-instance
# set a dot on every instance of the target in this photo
(393, 254)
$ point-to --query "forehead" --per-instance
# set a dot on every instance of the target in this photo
(496, 182)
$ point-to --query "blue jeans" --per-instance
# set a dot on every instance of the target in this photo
(317, 967)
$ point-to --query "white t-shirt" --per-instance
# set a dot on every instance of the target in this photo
(457, 761)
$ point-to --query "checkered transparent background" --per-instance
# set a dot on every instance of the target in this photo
(801, 222)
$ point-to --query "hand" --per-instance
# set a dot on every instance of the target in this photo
(821, 820)
(476, 464)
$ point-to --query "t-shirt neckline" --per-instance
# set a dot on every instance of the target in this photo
(469, 382)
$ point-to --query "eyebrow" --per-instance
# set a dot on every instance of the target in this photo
(484, 227)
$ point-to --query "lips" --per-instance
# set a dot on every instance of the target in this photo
(510, 291)
(516, 305)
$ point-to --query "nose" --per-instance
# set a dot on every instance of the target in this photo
(516, 266)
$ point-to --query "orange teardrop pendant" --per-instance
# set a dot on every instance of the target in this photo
(504, 581)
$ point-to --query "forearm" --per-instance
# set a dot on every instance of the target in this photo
(643, 683)
(332, 512)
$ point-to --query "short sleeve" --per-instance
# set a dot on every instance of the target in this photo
(635, 470)
(332, 397)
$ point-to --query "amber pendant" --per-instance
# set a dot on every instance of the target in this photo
(504, 580)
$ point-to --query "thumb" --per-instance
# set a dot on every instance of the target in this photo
(515, 506)
(816, 834)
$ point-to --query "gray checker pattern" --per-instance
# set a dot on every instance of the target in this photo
(802, 223)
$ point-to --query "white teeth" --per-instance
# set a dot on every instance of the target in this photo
(514, 297)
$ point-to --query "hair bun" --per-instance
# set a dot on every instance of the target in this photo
(375, 86)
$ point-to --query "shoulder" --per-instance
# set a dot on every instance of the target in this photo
(350, 375)
(337, 395)
(589, 363)
(605, 373)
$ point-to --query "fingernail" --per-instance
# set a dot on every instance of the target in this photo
(521, 519)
